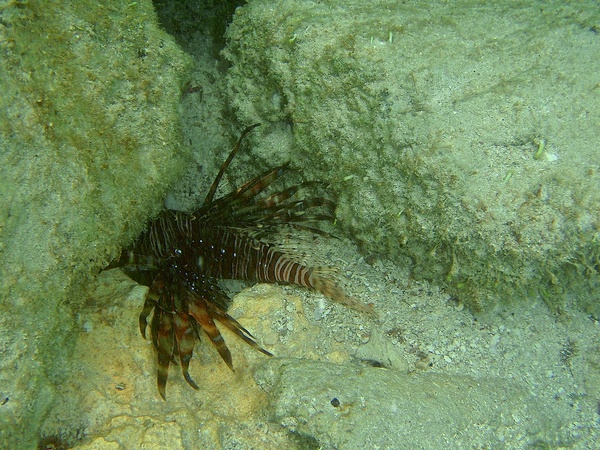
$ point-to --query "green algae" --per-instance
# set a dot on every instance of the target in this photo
(91, 141)
(428, 121)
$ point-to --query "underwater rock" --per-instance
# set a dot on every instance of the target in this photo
(109, 392)
(463, 137)
(90, 142)
(493, 383)
(349, 406)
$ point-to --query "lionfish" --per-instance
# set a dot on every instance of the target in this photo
(181, 257)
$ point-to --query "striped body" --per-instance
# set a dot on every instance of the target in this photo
(218, 252)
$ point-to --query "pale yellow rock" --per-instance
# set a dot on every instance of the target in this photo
(113, 384)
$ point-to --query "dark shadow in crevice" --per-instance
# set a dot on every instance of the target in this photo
(189, 20)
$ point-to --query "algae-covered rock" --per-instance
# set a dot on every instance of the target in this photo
(345, 406)
(90, 141)
(462, 136)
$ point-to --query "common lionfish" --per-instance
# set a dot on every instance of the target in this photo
(181, 257)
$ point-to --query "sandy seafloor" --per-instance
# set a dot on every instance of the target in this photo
(552, 359)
